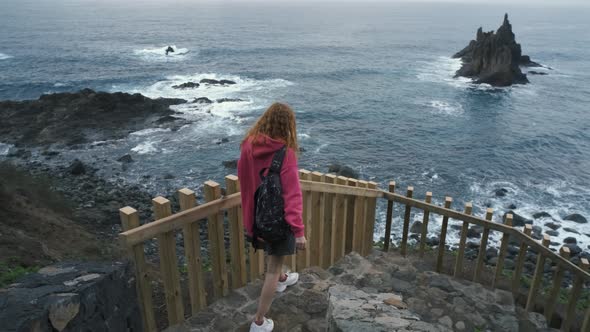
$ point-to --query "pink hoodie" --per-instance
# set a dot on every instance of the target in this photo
(255, 157)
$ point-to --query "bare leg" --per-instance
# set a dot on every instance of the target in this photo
(274, 271)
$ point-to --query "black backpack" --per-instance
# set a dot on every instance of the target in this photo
(269, 212)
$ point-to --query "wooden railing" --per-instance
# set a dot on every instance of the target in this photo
(339, 216)
(580, 275)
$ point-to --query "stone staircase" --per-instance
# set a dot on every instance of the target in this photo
(382, 292)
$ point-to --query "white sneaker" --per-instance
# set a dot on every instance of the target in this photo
(267, 326)
(292, 278)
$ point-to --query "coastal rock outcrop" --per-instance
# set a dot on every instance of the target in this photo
(68, 119)
(494, 58)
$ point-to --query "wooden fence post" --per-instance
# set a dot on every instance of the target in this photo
(212, 192)
(236, 235)
(371, 214)
(388, 218)
(570, 315)
(443, 236)
(407, 212)
(424, 231)
(539, 270)
(317, 211)
(552, 298)
(483, 247)
(461, 253)
(339, 222)
(528, 228)
(169, 265)
(361, 227)
(192, 250)
(502, 254)
(303, 257)
(350, 218)
(129, 220)
(329, 226)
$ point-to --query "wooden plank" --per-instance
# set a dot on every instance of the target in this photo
(236, 235)
(551, 300)
(483, 246)
(520, 261)
(129, 220)
(538, 276)
(338, 189)
(570, 315)
(339, 222)
(252, 263)
(362, 245)
(169, 265)
(388, 219)
(329, 227)
(424, 231)
(502, 254)
(177, 221)
(462, 241)
(317, 211)
(370, 224)
(212, 191)
(191, 235)
(407, 212)
(443, 236)
(350, 221)
(303, 257)
(359, 216)
(586, 323)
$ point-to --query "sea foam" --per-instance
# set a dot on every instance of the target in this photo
(5, 56)
(159, 53)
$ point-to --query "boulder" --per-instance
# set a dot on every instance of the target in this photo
(416, 227)
(343, 171)
(570, 230)
(575, 250)
(517, 220)
(202, 100)
(73, 296)
(77, 167)
(229, 100)
(126, 159)
(231, 164)
(576, 217)
(216, 82)
(501, 192)
(570, 240)
(493, 58)
(187, 85)
(552, 233)
(541, 214)
(553, 226)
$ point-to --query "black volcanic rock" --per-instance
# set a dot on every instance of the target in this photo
(216, 82)
(494, 58)
(187, 85)
(67, 119)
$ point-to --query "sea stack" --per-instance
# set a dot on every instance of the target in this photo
(494, 58)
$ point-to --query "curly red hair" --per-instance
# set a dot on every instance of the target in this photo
(278, 122)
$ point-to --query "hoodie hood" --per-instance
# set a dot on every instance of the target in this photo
(263, 146)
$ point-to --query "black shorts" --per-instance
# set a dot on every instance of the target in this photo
(281, 248)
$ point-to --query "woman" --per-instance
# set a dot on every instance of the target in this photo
(275, 129)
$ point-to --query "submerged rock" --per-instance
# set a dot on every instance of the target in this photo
(203, 100)
(494, 58)
(216, 82)
(187, 85)
(77, 167)
(575, 217)
(229, 100)
(343, 171)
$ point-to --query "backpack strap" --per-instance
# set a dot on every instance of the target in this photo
(277, 160)
(276, 164)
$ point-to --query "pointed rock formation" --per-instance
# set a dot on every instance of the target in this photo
(494, 58)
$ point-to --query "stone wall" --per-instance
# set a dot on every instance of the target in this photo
(72, 296)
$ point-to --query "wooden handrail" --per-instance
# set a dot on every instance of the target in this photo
(492, 225)
(330, 188)
(177, 221)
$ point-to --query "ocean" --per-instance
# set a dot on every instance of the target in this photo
(371, 83)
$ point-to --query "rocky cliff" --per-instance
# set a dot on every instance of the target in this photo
(494, 58)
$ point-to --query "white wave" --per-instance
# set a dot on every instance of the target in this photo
(150, 131)
(159, 53)
(59, 85)
(5, 56)
(446, 108)
(303, 136)
(321, 147)
(442, 70)
(145, 148)
(5, 148)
